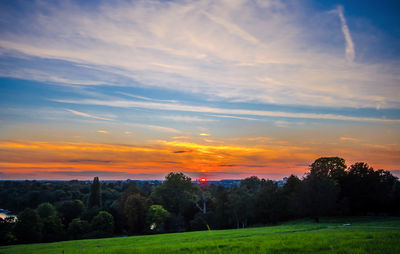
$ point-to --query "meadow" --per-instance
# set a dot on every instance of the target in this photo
(364, 235)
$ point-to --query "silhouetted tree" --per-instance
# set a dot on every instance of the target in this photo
(95, 194)
(269, 207)
(242, 204)
(291, 185)
(368, 190)
(331, 167)
(318, 194)
(176, 193)
(222, 212)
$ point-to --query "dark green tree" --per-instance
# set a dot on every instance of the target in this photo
(221, 218)
(29, 227)
(269, 206)
(177, 194)
(241, 206)
(291, 185)
(52, 228)
(46, 210)
(135, 209)
(369, 191)
(7, 236)
(78, 229)
(156, 218)
(103, 224)
(70, 209)
(95, 194)
(316, 197)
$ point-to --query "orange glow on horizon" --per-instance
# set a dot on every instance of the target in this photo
(225, 160)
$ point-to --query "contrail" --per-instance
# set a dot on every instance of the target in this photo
(350, 52)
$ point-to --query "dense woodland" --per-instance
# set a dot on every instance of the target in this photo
(54, 211)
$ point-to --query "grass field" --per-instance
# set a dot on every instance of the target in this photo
(364, 235)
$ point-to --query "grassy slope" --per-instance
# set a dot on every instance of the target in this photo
(365, 235)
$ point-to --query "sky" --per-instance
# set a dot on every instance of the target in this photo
(223, 89)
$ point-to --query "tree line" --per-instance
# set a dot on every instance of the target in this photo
(54, 211)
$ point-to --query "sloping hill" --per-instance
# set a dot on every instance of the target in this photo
(364, 235)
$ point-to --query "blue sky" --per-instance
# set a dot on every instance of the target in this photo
(301, 79)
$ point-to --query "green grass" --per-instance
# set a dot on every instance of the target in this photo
(365, 235)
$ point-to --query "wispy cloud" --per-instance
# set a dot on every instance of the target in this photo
(249, 51)
(236, 117)
(283, 124)
(143, 97)
(349, 139)
(102, 131)
(156, 128)
(213, 110)
(188, 119)
(78, 113)
(350, 51)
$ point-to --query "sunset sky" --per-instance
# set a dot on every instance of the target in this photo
(217, 89)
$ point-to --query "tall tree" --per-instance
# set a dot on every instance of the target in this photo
(95, 194)
(176, 194)
(221, 216)
(135, 209)
(318, 193)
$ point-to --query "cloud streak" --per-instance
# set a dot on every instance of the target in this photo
(222, 111)
(350, 51)
(78, 113)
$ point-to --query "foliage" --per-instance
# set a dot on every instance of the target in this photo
(7, 231)
(332, 167)
(78, 229)
(132, 207)
(52, 229)
(70, 209)
(95, 194)
(46, 210)
(103, 224)
(176, 194)
(29, 226)
(156, 218)
(135, 208)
